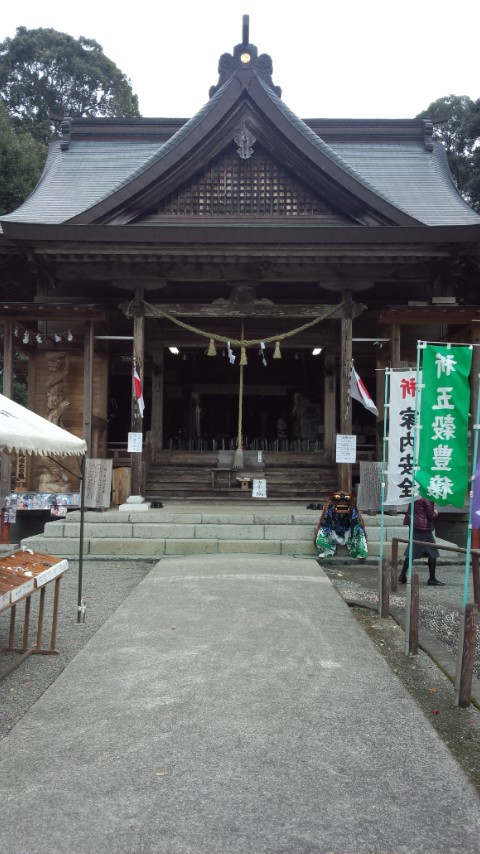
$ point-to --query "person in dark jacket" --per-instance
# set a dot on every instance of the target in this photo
(424, 515)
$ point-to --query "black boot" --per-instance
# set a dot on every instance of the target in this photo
(403, 575)
(433, 580)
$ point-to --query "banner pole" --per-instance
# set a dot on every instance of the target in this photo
(408, 598)
(470, 511)
(382, 490)
(461, 625)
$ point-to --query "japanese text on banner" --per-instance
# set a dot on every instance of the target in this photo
(403, 390)
(442, 470)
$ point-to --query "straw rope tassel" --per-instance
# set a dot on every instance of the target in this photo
(238, 458)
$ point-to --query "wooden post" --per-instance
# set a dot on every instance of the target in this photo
(88, 357)
(385, 609)
(137, 420)
(475, 579)
(394, 565)
(345, 469)
(468, 656)
(395, 345)
(414, 614)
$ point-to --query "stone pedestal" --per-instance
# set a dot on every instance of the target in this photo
(135, 504)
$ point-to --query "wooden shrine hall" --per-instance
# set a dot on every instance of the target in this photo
(239, 260)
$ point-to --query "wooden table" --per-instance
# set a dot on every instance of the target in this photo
(22, 574)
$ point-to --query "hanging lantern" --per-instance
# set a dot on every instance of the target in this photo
(211, 348)
(277, 354)
(243, 357)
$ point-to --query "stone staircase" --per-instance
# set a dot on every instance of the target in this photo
(255, 527)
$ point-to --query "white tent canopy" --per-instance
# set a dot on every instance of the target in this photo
(24, 432)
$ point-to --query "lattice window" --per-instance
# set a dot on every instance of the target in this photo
(235, 187)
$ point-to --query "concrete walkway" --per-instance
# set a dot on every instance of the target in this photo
(231, 705)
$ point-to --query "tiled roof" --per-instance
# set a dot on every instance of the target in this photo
(413, 179)
(78, 178)
(406, 174)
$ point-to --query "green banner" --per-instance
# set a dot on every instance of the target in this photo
(442, 467)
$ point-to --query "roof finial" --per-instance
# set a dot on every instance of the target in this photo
(245, 29)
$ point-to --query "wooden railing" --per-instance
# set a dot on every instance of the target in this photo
(467, 632)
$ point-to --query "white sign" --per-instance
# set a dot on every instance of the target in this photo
(135, 443)
(259, 488)
(346, 450)
(98, 483)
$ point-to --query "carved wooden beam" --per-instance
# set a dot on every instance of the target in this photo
(258, 309)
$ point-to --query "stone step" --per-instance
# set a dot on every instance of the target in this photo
(169, 531)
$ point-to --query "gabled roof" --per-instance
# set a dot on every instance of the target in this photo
(372, 173)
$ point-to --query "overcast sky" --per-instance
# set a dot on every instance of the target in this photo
(349, 59)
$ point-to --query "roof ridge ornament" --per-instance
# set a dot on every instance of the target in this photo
(245, 56)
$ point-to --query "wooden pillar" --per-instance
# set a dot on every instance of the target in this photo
(158, 390)
(88, 357)
(345, 469)
(395, 346)
(138, 357)
(8, 356)
(329, 405)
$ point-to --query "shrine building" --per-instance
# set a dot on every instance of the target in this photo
(239, 260)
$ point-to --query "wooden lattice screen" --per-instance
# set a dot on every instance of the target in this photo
(235, 187)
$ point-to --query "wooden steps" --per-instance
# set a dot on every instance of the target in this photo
(289, 476)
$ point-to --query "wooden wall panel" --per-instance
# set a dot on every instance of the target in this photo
(72, 419)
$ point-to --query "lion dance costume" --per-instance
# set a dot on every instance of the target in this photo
(341, 524)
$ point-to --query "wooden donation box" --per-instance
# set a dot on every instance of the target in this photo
(23, 574)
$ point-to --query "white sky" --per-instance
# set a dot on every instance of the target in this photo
(348, 59)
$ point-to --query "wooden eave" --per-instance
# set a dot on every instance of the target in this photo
(68, 236)
(32, 312)
(455, 315)
(210, 135)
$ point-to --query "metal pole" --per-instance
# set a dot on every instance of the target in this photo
(408, 598)
(80, 608)
(382, 493)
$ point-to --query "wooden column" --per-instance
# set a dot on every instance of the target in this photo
(345, 469)
(8, 356)
(158, 388)
(88, 357)
(137, 420)
(395, 346)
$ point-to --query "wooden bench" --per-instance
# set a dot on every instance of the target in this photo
(224, 466)
(252, 466)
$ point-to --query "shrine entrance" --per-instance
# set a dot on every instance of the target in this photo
(197, 399)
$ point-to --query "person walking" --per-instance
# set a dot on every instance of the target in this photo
(424, 515)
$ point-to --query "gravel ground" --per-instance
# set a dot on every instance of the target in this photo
(105, 585)
(439, 606)
(426, 682)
